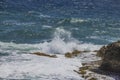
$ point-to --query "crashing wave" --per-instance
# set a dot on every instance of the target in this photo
(61, 43)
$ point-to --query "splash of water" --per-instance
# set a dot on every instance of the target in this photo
(61, 43)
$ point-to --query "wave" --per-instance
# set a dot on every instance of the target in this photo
(73, 21)
(38, 14)
(17, 64)
(14, 22)
(78, 20)
(46, 26)
(61, 43)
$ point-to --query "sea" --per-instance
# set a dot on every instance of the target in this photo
(53, 27)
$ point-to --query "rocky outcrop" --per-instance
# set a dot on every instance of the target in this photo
(75, 53)
(44, 54)
(110, 55)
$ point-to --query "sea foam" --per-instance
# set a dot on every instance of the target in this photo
(40, 67)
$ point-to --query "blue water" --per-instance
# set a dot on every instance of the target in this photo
(40, 23)
(23, 21)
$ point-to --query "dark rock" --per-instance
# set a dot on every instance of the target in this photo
(44, 54)
(75, 53)
(93, 78)
(101, 52)
(110, 55)
(84, 68)
(68, 55)
(82, 72)
(95, 51)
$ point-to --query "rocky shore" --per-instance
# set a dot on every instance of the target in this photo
(107, 68)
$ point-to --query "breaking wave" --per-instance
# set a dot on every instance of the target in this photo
(61, 43)
(17, 64)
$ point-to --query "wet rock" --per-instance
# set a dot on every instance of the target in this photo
(86, 76)
(72, 54)
(95, 51)
(44, 54)
(87, 72)
(101, 52)
(68, 55)
(110, 55)
(82, 72)
(93, 78)
(84, 68)
(75, 53)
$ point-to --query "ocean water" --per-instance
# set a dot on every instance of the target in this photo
(53, 27)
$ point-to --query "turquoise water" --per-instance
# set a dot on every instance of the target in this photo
(54, 27)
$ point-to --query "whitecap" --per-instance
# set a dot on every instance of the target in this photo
(14, 22)
(61, 43)
(46, 26)
(78, 20)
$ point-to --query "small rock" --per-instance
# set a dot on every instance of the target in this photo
(84, 68)
(68, 55)
(43, 54)
(72, 54)
(93, 79)
(83, 72)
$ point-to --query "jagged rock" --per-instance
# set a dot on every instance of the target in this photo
(44, 54)
(110, 55)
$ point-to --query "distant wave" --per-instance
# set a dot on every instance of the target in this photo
(14, 22)
(75, 20)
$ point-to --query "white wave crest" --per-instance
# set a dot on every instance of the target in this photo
(77, 20)
(61, 43)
